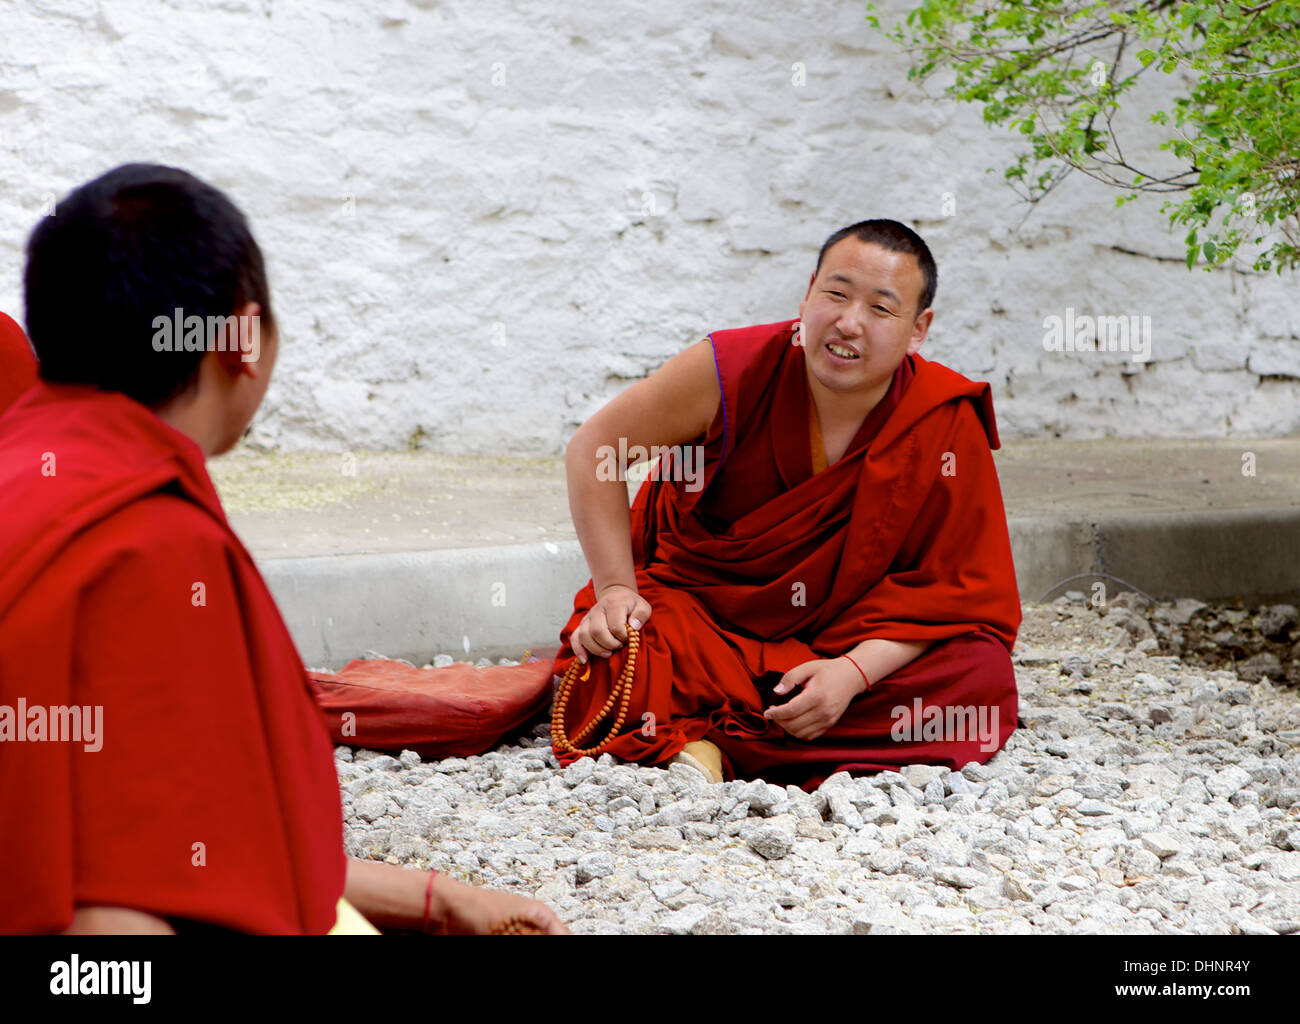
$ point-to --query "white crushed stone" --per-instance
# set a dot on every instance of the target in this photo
(1140, 796)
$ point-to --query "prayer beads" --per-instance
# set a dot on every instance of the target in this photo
(621, 694)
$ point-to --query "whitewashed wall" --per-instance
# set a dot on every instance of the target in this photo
(483, 218)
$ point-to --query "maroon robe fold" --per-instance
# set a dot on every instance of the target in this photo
(17, 363)
(769, 565)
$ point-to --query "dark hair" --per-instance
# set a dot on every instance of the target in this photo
(136, 243)
(896, 237)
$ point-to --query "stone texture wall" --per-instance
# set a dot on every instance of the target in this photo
(482, 218)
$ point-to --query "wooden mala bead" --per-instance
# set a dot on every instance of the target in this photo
(517, 926)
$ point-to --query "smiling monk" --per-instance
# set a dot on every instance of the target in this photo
(836, 592)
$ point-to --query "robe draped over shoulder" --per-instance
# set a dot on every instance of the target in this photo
(209, 792)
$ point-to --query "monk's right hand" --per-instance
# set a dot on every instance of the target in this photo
(603, 630)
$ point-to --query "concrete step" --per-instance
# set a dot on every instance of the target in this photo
(416, 553)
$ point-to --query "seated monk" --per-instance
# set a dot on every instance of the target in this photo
(17, 364)
(163, 766)
(822, 574)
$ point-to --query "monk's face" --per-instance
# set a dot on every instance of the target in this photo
(862, 301)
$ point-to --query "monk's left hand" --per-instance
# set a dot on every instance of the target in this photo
(829, 684)
(475, 910)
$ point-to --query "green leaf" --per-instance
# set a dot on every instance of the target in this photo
(1229, 123)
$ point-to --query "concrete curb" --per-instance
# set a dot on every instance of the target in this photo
(500, 601)
(491, 602)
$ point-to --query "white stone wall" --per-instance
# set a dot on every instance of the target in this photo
(483, 218)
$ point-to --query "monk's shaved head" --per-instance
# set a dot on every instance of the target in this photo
(896, 237)
(136, 243)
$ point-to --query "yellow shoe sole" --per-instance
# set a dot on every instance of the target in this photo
(703, 756)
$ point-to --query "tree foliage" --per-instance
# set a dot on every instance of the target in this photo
(1056, 73)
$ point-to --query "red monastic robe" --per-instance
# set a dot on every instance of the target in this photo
(17, 363)
(768, 565)
(212, 796)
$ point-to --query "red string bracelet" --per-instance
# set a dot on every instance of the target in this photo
(428, 896)
(859, 668)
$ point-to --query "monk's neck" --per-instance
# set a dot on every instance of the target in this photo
(844, 410)
(195, 418)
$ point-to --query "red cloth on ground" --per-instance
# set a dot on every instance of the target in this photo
(123, 587)
(768, 566)
(17, 363)
(455, 711)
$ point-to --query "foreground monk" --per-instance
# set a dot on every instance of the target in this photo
(163, 766)
(822, 577)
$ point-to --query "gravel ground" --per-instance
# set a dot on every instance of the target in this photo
(1141, 795)
(1251, 642)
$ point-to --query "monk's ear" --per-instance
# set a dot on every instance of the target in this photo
(919, 330)
(233, 364)
(241, 353)
(804, 302)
